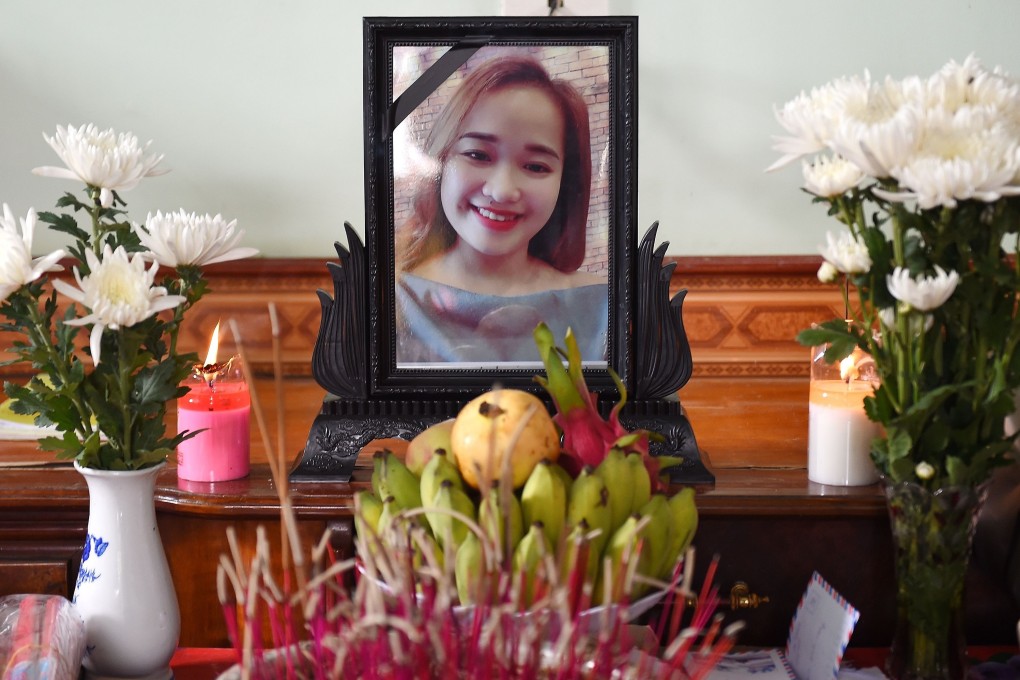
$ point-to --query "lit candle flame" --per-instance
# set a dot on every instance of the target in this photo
(210, 371)
(848, 368)
(214, 345)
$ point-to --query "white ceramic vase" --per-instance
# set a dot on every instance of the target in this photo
(124, 591)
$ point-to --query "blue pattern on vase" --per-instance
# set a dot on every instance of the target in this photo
(94, 545)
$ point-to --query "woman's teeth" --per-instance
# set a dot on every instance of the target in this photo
(488, 214)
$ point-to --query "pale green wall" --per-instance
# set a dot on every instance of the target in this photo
(258, 104)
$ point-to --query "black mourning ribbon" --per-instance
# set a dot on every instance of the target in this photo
(427, 82)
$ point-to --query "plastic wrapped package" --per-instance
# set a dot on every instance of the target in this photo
(41, 638)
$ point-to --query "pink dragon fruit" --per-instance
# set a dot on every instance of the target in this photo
(587, 436)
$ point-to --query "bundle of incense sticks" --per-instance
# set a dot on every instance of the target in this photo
(41, 636)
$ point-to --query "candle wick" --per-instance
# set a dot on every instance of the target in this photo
(210, 373)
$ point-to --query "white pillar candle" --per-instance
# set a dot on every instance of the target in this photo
(840, 433)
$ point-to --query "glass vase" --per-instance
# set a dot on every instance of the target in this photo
(932, 531)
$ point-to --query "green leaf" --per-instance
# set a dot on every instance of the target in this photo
(63, 449)
(558, 382)
(878, 407)
(621, 390)
(149, 431)
(62, 413)
(817, 337)
(65, 224)
(840, 337)
(999, 384)
(69, 200)
(176, 440)
(935, 436)
(918, 414)
(627, 440)
(145, 459)
(902, 469)
(899, 445)
(956, 469)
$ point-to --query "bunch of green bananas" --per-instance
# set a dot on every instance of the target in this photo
(606, 522)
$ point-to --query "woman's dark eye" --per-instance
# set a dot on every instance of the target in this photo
(537, 168)
(475, 155)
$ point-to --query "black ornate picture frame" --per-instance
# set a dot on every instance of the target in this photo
(373, 394)
(598, 56)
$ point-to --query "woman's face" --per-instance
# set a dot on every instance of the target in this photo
(502, 177)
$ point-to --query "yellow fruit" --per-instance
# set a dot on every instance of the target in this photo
(421, 449)
(486, 429)
(499, 514)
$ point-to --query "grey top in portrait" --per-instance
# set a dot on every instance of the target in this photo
(437, 323)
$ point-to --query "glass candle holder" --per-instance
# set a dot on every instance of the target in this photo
(219, 404)
(839, 431)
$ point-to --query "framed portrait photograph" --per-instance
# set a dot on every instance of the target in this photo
(500, 194)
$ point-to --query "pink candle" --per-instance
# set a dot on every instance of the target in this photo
(219, 404)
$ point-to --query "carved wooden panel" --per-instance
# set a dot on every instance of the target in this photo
(741, 314)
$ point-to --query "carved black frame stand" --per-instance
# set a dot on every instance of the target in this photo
(351, 418)
(345, 426)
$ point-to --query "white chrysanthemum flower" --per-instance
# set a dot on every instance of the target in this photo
(16, 264)
(924, 471)
(915, 324)
(879, 126)
(810, 119)
(887, 315)
(969, 86)
(180, 238)
(924, 293)
(972, 96)
(118, 292)
(958, 159)
(101, 158)
(827, 273)
(830, 176)
(846, 253)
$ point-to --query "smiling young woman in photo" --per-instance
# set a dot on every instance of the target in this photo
(497, 236)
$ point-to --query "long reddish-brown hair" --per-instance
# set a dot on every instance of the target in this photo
(561, 242)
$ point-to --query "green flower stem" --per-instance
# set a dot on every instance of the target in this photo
(859, 212)
(188, 284)
(905, 373)
(1016, 259)
(846, 299)
(899, 258)
(918, 360)
(980, 368)
(42, 338)
(846, 216)
(175, 326)
(943, 226)
(124, 382)
(901, 350)
(97, 224)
